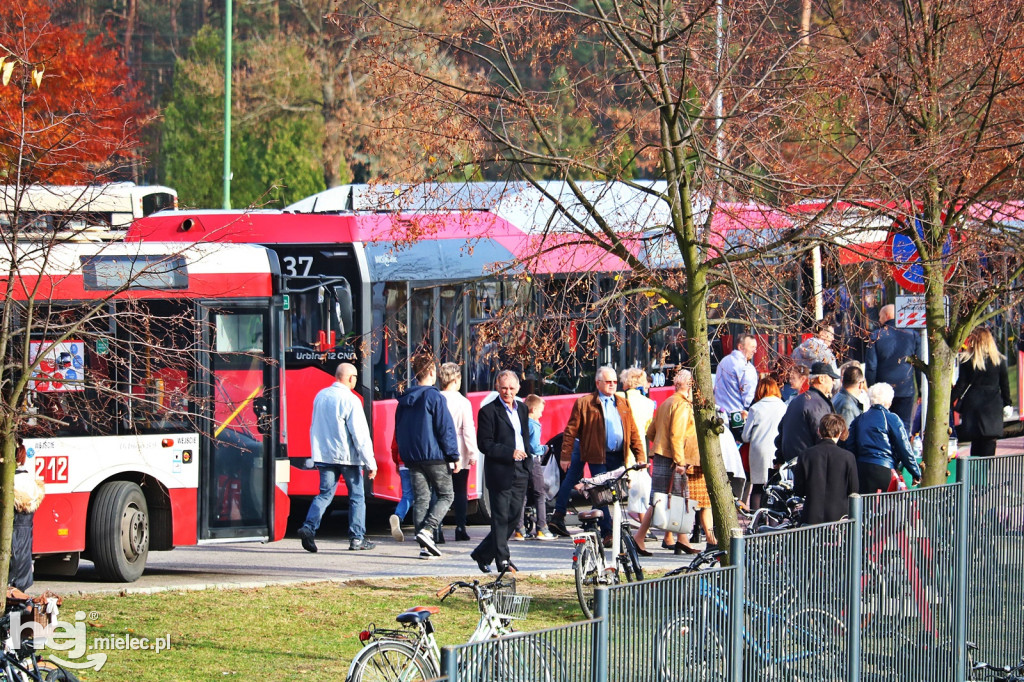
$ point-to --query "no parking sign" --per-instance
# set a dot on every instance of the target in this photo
(906, 261)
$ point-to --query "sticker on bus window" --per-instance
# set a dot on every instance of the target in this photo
(62, 367)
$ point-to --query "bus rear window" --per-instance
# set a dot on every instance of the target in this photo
(107, 273)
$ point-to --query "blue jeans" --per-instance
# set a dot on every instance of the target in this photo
(329, 474)
(573, 476)
(404, 504)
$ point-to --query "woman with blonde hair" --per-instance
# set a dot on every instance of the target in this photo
(631, 381)
(981, 392)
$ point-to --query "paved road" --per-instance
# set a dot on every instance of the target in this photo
(249, 564)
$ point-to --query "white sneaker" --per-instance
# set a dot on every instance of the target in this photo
(396, 528)
(545, 535)
(426, 540)
(424, 554)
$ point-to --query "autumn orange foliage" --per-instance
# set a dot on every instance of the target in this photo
(69, 111)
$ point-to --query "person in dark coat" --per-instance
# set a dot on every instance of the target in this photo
(798, 429)
(981, 392)
(826, 474)
(880, 443)
(885, 361)
(503, 435)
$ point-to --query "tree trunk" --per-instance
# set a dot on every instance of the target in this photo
(7, 507)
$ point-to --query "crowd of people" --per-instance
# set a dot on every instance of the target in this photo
(847, 426)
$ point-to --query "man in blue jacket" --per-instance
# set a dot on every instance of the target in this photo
(885, 361)
(425, 434)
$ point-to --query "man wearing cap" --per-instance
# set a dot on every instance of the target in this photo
(798, 429)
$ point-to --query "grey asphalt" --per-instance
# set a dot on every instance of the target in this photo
(285, 562)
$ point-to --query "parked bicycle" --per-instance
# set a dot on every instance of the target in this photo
(591, 566)
(23, 664)
(786, 644)
(411, 653)
(978, 670)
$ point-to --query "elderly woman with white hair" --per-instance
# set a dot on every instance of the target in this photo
(879, 441)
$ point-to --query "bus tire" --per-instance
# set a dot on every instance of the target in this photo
(119, 531)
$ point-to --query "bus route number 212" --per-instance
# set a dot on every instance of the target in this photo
(52, 469)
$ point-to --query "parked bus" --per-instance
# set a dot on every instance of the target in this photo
(153, 413)
(359, 290)
(55, 208)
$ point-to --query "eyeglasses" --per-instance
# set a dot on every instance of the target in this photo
(609, 381)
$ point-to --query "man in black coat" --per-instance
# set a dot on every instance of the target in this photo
(886, 361)
(826, 474)
(503, 434)
(798, 429)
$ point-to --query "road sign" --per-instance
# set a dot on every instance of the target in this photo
(910, 312)
(907, 269)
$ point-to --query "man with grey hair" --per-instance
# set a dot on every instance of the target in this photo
(503, 435)
(340, 444)
(604, 426)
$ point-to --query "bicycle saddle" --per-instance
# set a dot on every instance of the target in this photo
(417, 614)
(592, 514)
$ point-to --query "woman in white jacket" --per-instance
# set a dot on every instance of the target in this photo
(760, 430)
(450, 380)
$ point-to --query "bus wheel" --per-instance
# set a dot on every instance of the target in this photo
(119, 531)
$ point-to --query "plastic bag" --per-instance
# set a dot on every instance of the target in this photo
(552, 477)
(639, 491)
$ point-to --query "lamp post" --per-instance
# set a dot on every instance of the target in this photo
(227, 103)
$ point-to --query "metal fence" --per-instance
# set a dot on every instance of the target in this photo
(893, 593)
(671, 629)
(561, 654)
(995, 558)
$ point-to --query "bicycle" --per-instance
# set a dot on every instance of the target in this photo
(23, 664)
(412, 653)
(590, 565)
(978, 670)
(690, 646)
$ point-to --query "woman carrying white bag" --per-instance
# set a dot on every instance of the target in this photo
(677, 474)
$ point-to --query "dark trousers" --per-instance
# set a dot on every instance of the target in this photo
(430, 478)
(983, 447)
(873, 478)
(20, 572)
(904, 409)
(537, 493)
(460, 485)
(506, 508)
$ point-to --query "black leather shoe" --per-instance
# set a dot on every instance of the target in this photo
(508, 567)
(481, 564)
(438, 536)
(306, 537)
(557, 525)
(460, 534)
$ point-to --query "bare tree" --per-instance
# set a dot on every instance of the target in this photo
(928, 118)
(672, 90)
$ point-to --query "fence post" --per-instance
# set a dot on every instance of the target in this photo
(600, 630)
(737, 556)
(450, 664)
(963, 475)
(856, 568)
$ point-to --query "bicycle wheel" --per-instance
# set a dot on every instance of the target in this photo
(811, 646)
(629, 557)
(687, 648)
(390, 661)
(51, 672)
(586, 569)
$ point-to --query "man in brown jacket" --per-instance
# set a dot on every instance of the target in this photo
(604, 426)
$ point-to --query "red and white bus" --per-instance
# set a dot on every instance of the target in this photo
(152, 414)
(372, 285)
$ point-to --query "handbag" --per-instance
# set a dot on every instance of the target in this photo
(673, 513)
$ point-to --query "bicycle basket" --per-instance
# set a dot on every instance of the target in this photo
(603, 495)
(514, 606)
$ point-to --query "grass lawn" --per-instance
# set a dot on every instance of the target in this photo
(283, 632)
